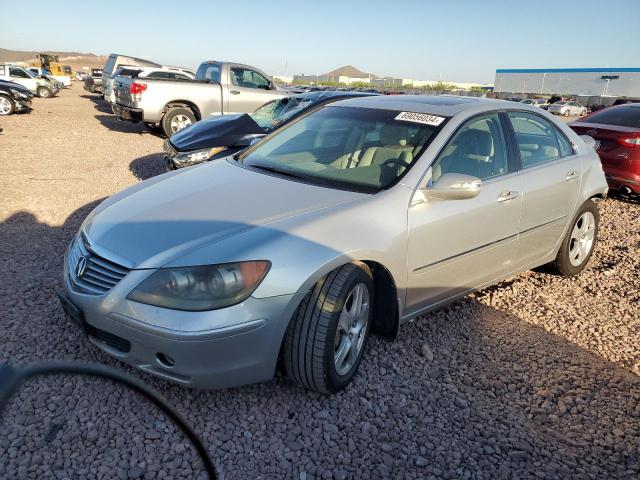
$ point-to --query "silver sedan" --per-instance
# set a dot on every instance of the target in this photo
(351, 220)
(568, 109)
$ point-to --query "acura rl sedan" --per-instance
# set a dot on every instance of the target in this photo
(349, 221)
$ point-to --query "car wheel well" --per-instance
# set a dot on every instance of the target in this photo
(386, 316)
(184, 104)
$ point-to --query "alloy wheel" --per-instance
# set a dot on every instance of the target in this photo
(352, 329)
(5, 106)
(582, 237)
(179, 122)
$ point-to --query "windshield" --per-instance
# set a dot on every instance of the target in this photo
(278, 111)
(345, 147)
(628, 116)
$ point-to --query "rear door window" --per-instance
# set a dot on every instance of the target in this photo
(539, 141)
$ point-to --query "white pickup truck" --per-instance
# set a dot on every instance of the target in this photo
(220, 88)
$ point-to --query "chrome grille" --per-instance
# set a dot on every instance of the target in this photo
(100, 275)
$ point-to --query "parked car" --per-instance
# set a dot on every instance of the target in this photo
(536, 102)
(93, 81)
(220, 136)
(133, 71)
(568, 109)
(63, 80)
(616, 131)
(14, 98)
(114, 61)
(38, 86)
(220, 88)
(353, 219)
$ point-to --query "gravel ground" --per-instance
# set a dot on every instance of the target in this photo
(537, 377)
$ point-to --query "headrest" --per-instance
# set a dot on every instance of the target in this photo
(475, 142)
(392, 135)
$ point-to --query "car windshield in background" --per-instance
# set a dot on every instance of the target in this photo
(278, 111)
(209, 71)
(360, 149)
(627, 116)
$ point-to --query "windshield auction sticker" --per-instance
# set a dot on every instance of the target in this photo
(424, 118)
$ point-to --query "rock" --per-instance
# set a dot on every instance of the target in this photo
(426, 352)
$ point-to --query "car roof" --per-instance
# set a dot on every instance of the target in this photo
(445, 105)
(322, 95)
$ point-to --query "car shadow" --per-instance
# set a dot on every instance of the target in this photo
(464, 390)
(148, 166)
(114, 123)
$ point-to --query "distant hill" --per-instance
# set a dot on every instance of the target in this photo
(350, 71)
(76, 60)
(23, 55)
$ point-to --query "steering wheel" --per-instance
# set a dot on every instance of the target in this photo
(395, 161)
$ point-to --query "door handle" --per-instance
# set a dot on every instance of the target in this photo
(234, 92)
(572, 175)
(507, 195)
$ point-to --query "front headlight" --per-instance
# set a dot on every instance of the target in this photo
(18, 94)
(207, 287)
(196, 156)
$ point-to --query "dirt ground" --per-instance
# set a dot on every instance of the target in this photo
(538, 377)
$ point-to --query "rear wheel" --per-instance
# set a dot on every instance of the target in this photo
(577, 246)
(327, 336)
(176, 119)
(44, 92)
(7, 105)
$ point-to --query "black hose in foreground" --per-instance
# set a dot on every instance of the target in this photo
(11, 378)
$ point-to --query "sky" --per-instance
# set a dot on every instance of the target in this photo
(461, 40)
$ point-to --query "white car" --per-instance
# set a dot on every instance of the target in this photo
(38, 86)
(536, 102)
(568, 109)
(134, 71)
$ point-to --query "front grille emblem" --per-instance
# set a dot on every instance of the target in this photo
(81, 266)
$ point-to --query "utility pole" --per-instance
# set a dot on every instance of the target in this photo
(542, 86)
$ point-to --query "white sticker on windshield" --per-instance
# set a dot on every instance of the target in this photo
(425, 118)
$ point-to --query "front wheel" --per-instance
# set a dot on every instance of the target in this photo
(44, 92)
(7, 105)
(327, 336)
(577, 246)
(176, 119)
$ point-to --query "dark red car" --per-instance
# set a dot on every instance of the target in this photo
(616, 131)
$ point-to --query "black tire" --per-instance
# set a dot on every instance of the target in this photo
(173, 113)
(44, 92)
(12, 105)
(562, 264)
(309, 343)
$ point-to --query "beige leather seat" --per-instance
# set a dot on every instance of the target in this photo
(473, 155)
(391, 149)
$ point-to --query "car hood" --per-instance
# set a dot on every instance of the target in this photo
(221, 131)
(163, 218)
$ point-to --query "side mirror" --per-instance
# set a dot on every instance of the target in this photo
(270, 85)
(588, 140)
(455, 186)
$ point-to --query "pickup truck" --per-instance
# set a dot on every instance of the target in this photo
(220, 88)
(93, 81)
